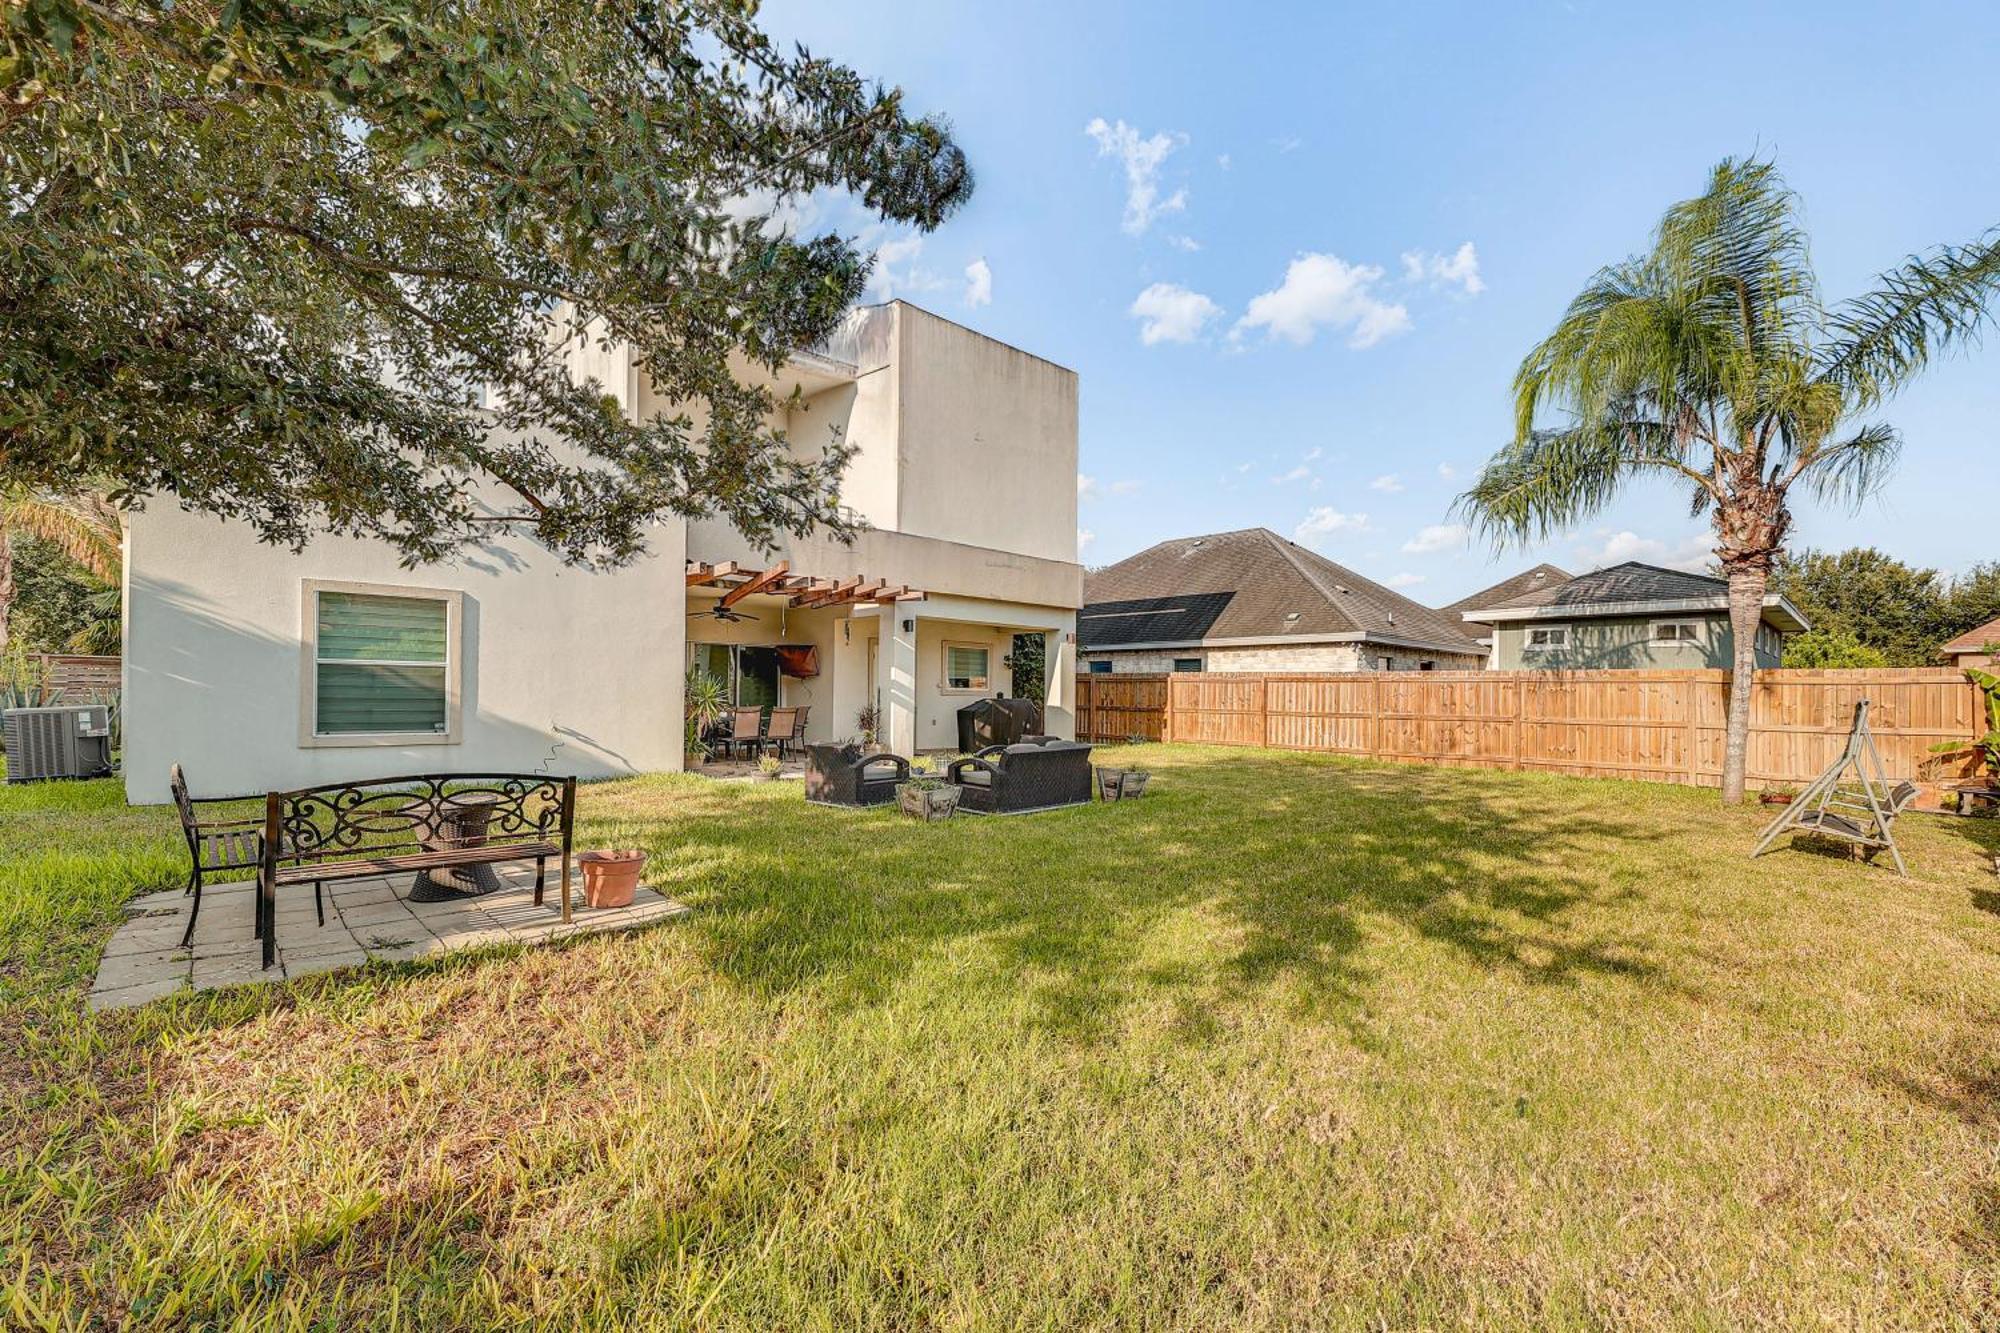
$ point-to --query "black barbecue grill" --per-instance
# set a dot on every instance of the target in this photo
(985, 722)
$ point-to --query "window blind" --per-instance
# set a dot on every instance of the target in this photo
(381, 664)
(965, 667)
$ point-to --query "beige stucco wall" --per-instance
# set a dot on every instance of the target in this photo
(552, 658)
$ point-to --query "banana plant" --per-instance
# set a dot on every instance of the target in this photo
(1987, 746)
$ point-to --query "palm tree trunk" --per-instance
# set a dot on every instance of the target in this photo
(6, 585)
(1746, 612)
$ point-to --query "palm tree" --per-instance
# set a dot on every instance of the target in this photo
(1711, 361)
(82, 525)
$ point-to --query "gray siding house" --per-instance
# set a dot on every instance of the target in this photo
(1632, 617)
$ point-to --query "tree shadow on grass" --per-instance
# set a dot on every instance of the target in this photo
(1257, 872)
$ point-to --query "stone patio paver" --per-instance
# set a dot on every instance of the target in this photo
(365, 919)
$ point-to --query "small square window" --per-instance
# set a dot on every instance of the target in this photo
(1187, 664)
(382, 664)
(965, 666)
(1547, 638)
(1100, 667)
(1676, 631)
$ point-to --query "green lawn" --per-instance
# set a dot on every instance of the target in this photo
(1293, 1042)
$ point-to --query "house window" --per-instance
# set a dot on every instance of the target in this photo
(1427, 665)
(383, 664)
(1676, 631)
(1187, 664)
(1546, 638)
(965, 667)
(1100, 667)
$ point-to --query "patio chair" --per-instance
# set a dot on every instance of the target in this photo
(797, 740)
(778, 731)
(843, 775)
(1023, 778)
(217, 845)
(746, 731)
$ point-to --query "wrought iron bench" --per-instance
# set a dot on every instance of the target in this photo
(843, 775)
(216, 846)
(1023, 778)
(430, 825)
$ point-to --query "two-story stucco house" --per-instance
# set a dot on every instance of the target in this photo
(257, 668)
(1628, 616)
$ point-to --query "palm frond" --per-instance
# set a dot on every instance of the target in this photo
(1929, 306)
(1554, 478)
(1849, 470)
(82, 526)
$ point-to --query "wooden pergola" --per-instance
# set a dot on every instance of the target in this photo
(803, 593)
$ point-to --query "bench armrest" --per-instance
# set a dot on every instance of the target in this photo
(958, 766)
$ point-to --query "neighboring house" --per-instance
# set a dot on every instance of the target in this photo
(1528, 581)
(1252, 601)
(257, 668)
(1975, 648)
(1628, 616)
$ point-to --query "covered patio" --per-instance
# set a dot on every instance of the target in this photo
(835, 646)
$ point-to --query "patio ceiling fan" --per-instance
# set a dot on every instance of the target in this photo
(728, 614)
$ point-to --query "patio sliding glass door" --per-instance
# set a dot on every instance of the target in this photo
(748, 673)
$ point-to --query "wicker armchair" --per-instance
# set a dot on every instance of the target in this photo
(1018, 779)
(842, 775)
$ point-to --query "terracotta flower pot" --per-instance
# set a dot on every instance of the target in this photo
(610, 878)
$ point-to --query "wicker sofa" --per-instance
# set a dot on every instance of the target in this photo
(843, 775)
(1044, 774)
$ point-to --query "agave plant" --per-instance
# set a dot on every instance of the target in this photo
(705, 700)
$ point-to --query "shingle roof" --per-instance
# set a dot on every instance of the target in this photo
(1973, 640)
(1629, 582)
(1243, 585)
(1537, 580)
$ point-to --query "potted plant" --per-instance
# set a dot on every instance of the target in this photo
(768, 767)
(611, 877)
(1782, 794)
(704, 700)
(869, 719)
(928, 798)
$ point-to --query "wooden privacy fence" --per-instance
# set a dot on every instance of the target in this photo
(1657, 726)
(73, 677)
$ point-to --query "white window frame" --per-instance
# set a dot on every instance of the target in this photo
(944, 667)
(310, 737)
(1653, 631)
(1528, 644)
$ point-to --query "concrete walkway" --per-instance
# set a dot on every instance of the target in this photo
(365, 918)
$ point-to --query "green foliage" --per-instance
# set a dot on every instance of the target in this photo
(1826, 649)
(704, 700)
(1989, 744)
(1029, 664)
(53, 599)
(321, 266)
(1904, 612)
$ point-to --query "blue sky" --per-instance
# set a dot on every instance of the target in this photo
(1281, 198)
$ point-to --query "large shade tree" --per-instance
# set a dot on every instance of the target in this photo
(1712, 361)
(319, 265)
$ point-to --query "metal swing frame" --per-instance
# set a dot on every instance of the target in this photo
(1860, 809)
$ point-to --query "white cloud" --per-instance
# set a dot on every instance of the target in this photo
(1244, 467)
(1299, 473)
(1459, 269)
(1141, 158)
(898, 269)
(1185, 243)
(1314, 454)
(1447, 471)
(1084, 537)
(1388, 483)
(1171, 314)
(1223, 161)
(1088, 489)
(978, 283)
(1404, 580)
(1691, 553)
(1325, 290)
(1438, 537)
(1288, 143)
(1322, 522)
